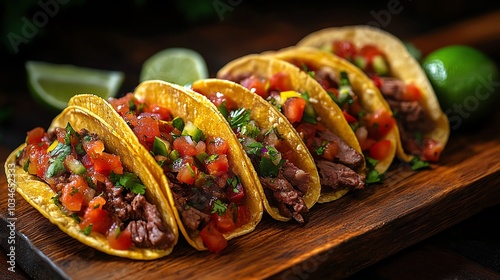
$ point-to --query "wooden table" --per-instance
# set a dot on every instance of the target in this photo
(413, 213)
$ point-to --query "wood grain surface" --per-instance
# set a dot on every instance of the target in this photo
(341, 238)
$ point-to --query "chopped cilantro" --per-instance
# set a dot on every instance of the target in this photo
(26, 165)
(321, 149)
(69, 132)
(417, 164)
(56, 166)
(87, 230)
(373, 176)
(223, 109)
(234, 182)
(254, 148)
(129, 181)
(55, 199)
(76, 218)
(239, 117)
(219, 208)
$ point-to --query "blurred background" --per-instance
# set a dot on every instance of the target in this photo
(121, 35)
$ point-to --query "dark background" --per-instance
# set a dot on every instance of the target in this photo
(121, 35)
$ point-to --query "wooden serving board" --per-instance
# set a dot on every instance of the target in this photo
(341, 237)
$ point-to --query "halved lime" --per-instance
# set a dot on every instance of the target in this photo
(54, 84)
(180, 66)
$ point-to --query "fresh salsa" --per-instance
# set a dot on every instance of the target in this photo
(208, 196)
(93, 187)
(284, 183)
(335, 159)
(370, 128)
(404, 99)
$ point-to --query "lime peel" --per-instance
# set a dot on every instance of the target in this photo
(180, 66)
(54, 84)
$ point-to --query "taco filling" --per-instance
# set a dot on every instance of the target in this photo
(92, 186)
(284, 183)
(370, 128)
(335, 159)
(404, 99)
(210, 199)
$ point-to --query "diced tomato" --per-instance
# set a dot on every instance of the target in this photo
(377, 80)
(307, 132)
(243, 216)
(96, 216)
(188, 174)
(218, 98)
(218, 166)
(280, 82)
(412, 93)
(432, 150)
(35, 136)
(236, 194)
(162, 112)
(217, 145)
(225, 222)
(369, 52)
(105, 163)
(146, 130)
(331, 150)
(349, 118)
(380, 150)
(293, 109)
(344, 49)
(200, 147)
(185, 146)
(73, 193)
(379, 124)
(93, 147)
(256, 85)
(213, 238)
(39, 160)
(122, 105)
(120, 240)
(362, 135)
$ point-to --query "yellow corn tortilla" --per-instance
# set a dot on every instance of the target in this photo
(39, 194)
(401, 63)
(369, 95)
(190, 106)
(330, 114)
(268, 117)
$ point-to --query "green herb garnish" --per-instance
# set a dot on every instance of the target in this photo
(129, 181)
(219, 208)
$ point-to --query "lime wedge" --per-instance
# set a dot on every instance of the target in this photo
(54, 84)
(175, 65)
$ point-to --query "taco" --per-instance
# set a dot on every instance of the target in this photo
(193, 153)
(423, 127)
(84, 179)
(289, 180)
(363, 106)
(316, 118)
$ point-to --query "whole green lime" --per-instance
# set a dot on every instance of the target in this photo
(466, 82)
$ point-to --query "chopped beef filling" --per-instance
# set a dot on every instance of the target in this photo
(289, 200)
(411, 116)
(141, 218)
(337, 176)
(347, 155)
(193, 217)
